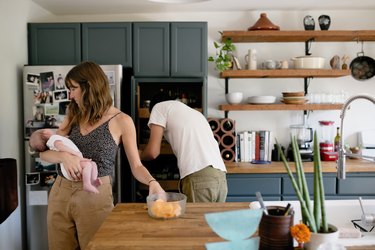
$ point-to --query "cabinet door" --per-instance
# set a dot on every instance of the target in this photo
(107, 43)
(189, 49)
(151, 49)
(54, 43)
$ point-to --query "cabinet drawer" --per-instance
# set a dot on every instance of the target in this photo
(329, 185)
(251, 198)
(248, 185)
(357, 185)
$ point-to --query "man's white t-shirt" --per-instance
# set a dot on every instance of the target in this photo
(189, 135)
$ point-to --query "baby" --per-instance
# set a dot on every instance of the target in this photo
(43, 138)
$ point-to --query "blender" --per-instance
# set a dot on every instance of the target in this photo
(326, 141)
(304, 136)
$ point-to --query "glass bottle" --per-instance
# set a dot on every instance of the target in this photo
(337, 139)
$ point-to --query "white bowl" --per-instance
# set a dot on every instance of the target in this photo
(234, 97)
(308, 62)
(266, 99)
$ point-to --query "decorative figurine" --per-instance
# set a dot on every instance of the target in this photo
(309, 23)
(324, 22)
(335, 62)
(344, 59)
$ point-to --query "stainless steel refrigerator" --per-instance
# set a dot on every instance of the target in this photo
(45, 98)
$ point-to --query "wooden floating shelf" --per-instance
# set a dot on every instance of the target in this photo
(284, 73)
(299, 36)
(279, 106)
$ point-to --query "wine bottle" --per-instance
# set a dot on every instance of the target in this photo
(337, 139)
(227, 125)
(227, 155)
(214, 124)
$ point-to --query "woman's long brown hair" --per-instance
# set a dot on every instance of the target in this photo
(96, 98)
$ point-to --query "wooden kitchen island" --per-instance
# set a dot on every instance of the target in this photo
(130, 227)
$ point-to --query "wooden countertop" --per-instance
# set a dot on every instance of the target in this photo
(130, 227)
(278, 167)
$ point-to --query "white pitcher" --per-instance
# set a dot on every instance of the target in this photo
(251, 59)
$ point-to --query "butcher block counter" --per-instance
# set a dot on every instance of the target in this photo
(352, 165)
(129, 227)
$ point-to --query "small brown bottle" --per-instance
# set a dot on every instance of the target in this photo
(337, 139)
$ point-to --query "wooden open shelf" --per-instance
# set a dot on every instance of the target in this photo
(284, 73)
(299, 36)
(279, 106)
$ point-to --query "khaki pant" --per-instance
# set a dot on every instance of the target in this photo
(206, 185)
(74, 215)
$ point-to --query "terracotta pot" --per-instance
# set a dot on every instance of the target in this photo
(317, 239)
(264, 23)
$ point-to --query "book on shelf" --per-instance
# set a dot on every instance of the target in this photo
(254, 146)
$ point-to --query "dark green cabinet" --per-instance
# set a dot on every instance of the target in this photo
(242, 187)
(54, 43)
(163, 49)
(107, 43)
(71, 43)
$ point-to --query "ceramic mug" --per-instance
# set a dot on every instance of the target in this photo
(271, 64)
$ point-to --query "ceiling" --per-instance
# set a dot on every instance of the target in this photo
(105, 7)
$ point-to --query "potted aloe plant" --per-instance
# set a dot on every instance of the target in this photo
(314, 217)
(224, 55)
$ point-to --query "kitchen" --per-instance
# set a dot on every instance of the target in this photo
(16, 14)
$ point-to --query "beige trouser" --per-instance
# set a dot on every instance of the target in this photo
(206, 185)
(74, 215)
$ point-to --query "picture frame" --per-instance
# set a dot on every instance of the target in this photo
(237, 63)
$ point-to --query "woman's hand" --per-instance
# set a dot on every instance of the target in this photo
(154, 187)
(72, 165)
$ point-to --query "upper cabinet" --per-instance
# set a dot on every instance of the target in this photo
(71, 43)
(163, 49)
(54, 43)
(107, 43)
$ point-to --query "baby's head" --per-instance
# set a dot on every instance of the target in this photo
(39, 138)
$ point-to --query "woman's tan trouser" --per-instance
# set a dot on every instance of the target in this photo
(74, 215)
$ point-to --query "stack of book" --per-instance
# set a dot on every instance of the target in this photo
(254, 146)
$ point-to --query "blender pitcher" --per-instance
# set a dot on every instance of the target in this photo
(303, 134)
(326, 141)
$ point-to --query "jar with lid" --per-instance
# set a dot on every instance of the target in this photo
(326, 141)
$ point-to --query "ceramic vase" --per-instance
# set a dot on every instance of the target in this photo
(324, 22)
(309, 23)
(317, 239)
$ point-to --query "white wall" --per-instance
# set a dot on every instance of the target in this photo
(361, 112)
(14, 15)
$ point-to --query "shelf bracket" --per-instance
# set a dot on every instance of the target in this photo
(308, 46)
(226, 92)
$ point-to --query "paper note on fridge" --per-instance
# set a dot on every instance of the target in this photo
(38, 198)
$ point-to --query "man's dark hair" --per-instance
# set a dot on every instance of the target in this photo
(159, 97)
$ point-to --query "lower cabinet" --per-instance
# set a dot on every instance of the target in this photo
(273, 187)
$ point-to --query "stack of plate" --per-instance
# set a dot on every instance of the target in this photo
(294, 98)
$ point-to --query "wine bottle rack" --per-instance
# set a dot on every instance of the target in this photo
(224, 131)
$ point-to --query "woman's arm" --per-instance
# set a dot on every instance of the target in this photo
(129, 141)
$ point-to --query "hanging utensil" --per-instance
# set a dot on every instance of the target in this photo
(362, 67)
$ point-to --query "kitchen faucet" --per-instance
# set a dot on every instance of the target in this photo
(341, 170)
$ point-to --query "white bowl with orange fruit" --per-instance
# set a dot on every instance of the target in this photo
(166, 205)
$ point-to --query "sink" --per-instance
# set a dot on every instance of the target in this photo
(339, 213)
